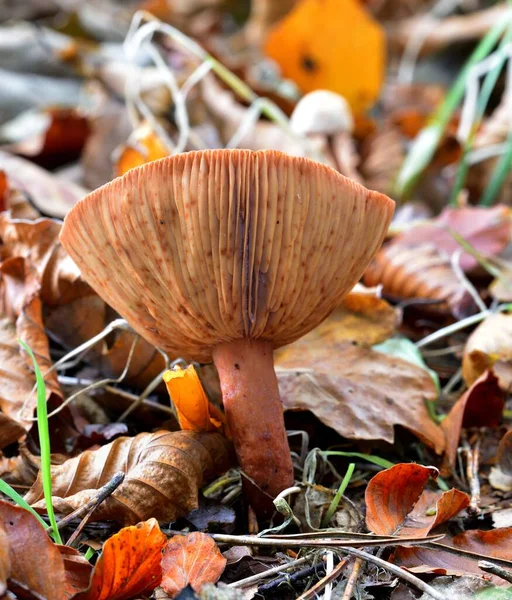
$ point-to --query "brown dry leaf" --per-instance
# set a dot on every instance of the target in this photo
(496, 543)
(480, 406)
(347, 58)
(193, 559)
(163, 473)
(49, 194)
(41, 569)
(195, 413)
(78, 570)
(5, 561)
(433, 509)
(392, 494)
(360, 393)
(129, 564)
(143, 146)
(417, 263)
(362, 317)
(504, 455)
(490, 346)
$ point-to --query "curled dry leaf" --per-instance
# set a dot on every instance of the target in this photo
(37, 565)
(490, 346)
(195, 413)
(163, 473)
(194, 560)
(129, 565)
(480, 406)
(417, 263)
(334, 60)
(392, 494)
(360, 393)
(433, 509)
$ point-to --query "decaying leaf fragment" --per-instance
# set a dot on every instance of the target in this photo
(192, 559)
(164, 472)
(129, 565)
(346, 57)
(143, 146)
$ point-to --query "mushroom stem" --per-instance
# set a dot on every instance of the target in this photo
(255, 416)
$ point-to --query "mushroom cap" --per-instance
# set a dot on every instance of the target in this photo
(322, 112)
(208, 247)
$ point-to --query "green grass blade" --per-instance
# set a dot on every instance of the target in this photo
(376, 460)
(427, 141)
(6, 489)
(337, 498)
(498, 176)
(44, 442)
(483, 99)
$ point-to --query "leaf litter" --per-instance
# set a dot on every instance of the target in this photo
(397, 405)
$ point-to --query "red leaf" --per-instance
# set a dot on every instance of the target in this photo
(496, 543)
(392, 494)
(129, 564)
(191, 559)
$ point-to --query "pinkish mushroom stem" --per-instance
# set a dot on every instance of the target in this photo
(255, 413)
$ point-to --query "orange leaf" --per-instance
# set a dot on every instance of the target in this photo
(392, 494)
(142, 147)
(347, 57)
(191, 559)
(129, 564)
(496, 543)
(192, 405)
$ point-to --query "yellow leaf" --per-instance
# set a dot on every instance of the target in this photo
(334, 45)
(195, 413)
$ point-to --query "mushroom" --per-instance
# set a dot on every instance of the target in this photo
(326, 118)
(227, 255)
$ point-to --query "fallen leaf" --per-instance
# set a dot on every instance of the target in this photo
(392, 494)
(143, 146)
(490, 346)
(433, 509)
(129, 564)
(10, 429)
(504, 455)
(36, 563)
(348, 58)
(360, 393)
(78, 570)
(5, 561)
(195, 413)
(495, 543)
(480, 406)
(163, 473)
(50, 195)
(190, 559)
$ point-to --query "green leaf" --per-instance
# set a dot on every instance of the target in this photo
(376, 460)
(495, 593)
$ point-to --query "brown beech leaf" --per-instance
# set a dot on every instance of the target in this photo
(192, 559)
(495, 543)
(490, 346)
(36, 563)
(5, 561)
(10, 430)
(360, 393)
(164, 472)
(432, 509)
(392, 494)
(51, 196)
(78, 570)
(129, 565)
(480, 406)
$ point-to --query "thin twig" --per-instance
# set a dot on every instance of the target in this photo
(399, 572)
(320, 585)
(473, 463)
(279, 569)
(92, 505)
(489, 567)
(316, 569)
(352, 580)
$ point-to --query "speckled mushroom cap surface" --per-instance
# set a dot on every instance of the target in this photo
(212, 246)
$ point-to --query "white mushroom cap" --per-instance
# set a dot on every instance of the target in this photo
(322, 112)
